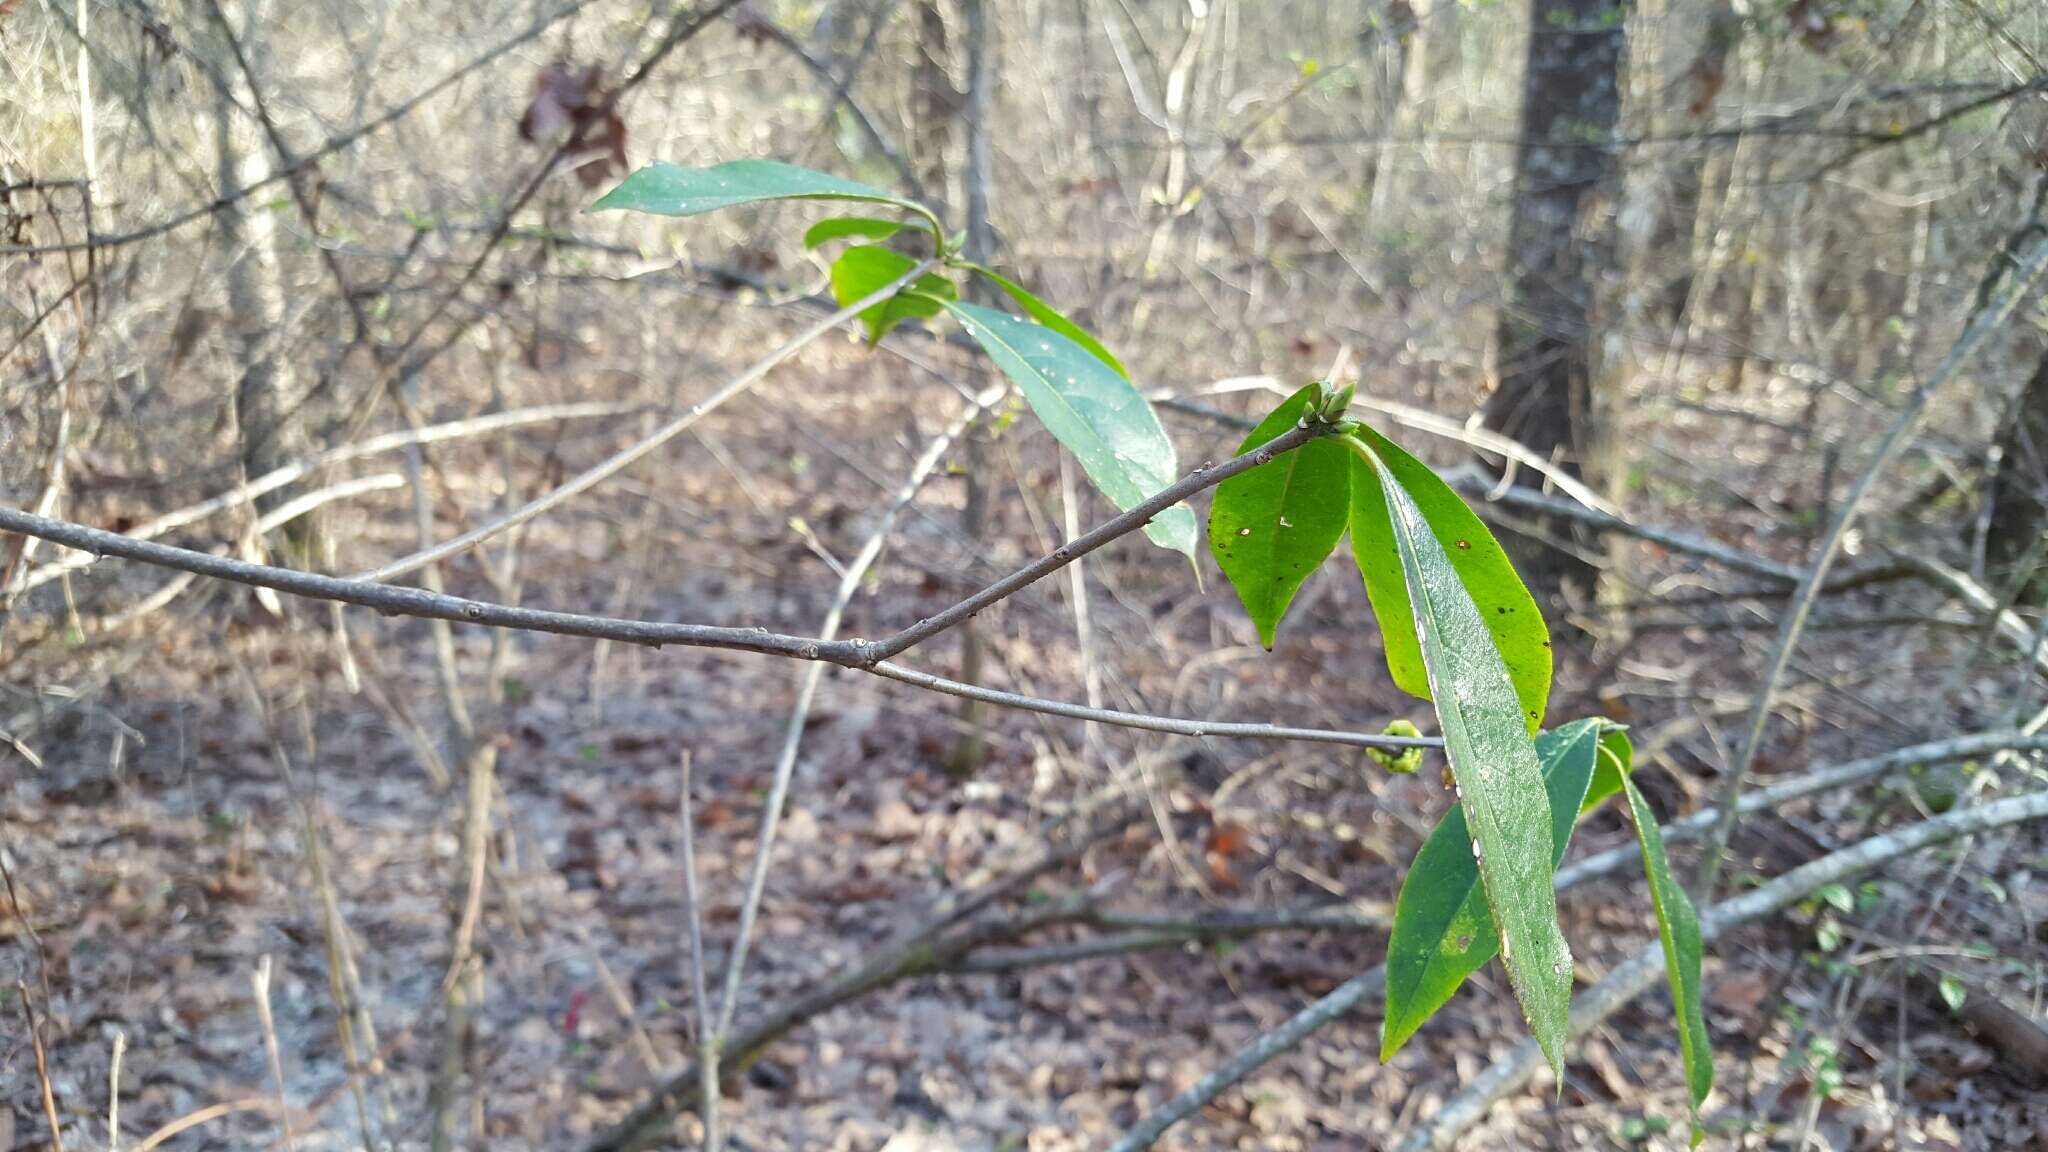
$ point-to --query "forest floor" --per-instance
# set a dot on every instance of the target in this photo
(159, 851)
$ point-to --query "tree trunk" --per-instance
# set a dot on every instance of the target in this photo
(1564, 170)
(937, 101)
(255, 286)
(1417, 44)
(2019, 487)
(966, 757)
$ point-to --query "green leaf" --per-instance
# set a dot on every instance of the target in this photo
(1829, 934)
(1271, 527)
(1486, 740)
(843, 227)
(673, 190)
(1443, 930)
(1678, 928)
(1617, 759)
(1952, 991)
(1101, 418)
(863, 270)
(1510, 613)
(1045, 314)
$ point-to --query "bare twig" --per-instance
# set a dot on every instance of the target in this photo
(35, 1035)
(416, 602)
(700, 999)
(1203, 477)
(259, 982)
(1420, 419)
(2008, 623)
(12, 577)
(283, 514)
(342, 990)
(840, 95)
(1222, 729)
(1475, 482)
(204, 1115)
(289, 163)
(869, 657)
(22, 749)
(114, 1092)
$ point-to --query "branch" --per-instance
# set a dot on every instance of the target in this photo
(1333, 1006)
(1873, 141)
(1828, 779)
(399, 363)
(392, 600)
(2008, 622)
(935, 948)
(1174, 725)
(1201, 478)
(1152, 933)
(914, 951)
(839, 93)
(1490, 491)
(289, 163)
(1584, 507)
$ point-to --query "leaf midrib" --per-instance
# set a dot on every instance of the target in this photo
(1451, 714)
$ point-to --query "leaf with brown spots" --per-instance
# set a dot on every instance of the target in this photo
(1482, 566)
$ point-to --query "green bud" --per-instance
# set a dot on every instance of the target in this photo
(1332, 403)
(1402, 760)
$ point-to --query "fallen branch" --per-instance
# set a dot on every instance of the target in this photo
(914, 951)
(2008, 622)
(936, 949)
(1156, 932)
(1813, 783)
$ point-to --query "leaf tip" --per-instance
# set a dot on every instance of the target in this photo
(1392, 1038)
(1269, 630)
